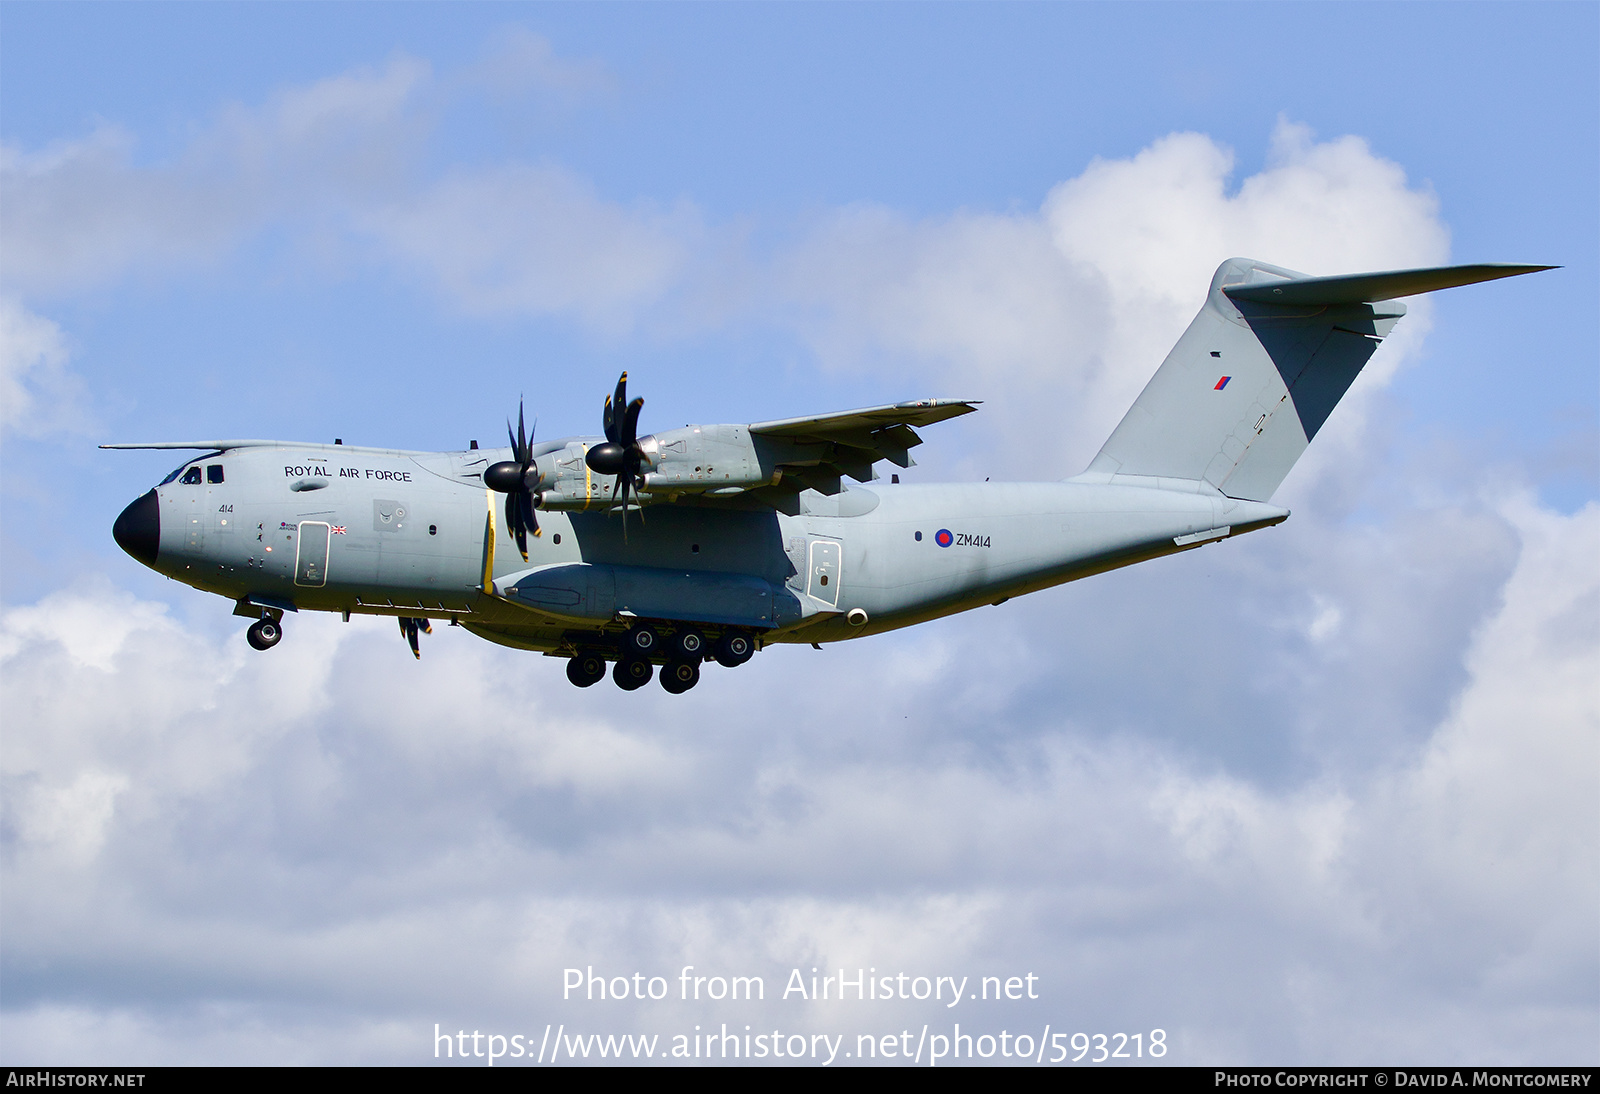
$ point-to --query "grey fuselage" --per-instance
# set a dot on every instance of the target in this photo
(740, 535)
(386, 532)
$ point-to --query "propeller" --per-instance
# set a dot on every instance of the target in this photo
(620, 455)
(512, 478)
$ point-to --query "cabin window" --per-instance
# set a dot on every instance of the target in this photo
(214, 472)
(919, 537)
(191, 477)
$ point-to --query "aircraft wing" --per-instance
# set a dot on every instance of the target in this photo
(209, 446)
(816, 451)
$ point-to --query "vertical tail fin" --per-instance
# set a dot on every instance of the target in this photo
(1260, 369)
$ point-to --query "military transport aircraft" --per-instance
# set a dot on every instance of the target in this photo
(712, 541)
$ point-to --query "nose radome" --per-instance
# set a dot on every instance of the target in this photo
(138, 529)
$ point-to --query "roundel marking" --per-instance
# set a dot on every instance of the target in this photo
(943, 537)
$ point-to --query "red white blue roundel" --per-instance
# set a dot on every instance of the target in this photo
(943, 537)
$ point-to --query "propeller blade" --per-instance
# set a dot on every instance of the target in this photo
(510, 477)
(630, 427)
(530, 519)
(408, 627)
(620, 455)
(614, 407)
(514, 525)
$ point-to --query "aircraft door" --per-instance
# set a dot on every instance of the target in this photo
(311, 557)
(824, 569)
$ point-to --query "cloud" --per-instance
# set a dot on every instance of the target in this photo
(338, 165)
(85, 212)
(538, 240)
(1316, 795)
(1058, 317)
(518, 64)
(38, 393)
(1062, 312)
(300, 856)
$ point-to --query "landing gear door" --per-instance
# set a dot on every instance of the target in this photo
(311, 559)
(825, 563)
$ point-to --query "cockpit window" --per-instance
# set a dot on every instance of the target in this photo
(191, 472)
(214, 472)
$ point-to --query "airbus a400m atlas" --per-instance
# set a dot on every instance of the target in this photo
(710, 542)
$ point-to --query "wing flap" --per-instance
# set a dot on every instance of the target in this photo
(816, 452)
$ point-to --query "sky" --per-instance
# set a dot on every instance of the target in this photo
(1322, 795)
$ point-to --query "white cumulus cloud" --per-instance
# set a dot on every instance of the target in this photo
(333, 846)
(38, 393)
(1059, 316)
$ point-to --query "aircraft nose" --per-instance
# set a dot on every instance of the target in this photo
(138, 529)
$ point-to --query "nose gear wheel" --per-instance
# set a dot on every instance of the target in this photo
(264, 634)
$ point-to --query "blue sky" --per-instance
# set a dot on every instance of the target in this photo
(388, 223)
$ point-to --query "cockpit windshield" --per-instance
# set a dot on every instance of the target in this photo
(192, 477)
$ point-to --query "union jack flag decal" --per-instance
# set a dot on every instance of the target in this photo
(338, 529)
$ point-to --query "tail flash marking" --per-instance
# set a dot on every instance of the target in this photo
(1222, 383)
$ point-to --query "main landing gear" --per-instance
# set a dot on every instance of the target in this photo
(679, 654)
(631, 673)
(679, 676)
(586, 669)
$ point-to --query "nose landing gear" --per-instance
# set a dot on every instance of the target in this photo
(264, 634)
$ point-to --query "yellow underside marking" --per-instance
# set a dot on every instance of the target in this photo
(588, 483)
(488, 546)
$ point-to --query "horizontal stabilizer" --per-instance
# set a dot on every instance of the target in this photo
(1369, 288)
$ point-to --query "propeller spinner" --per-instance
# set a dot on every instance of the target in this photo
(516, 478)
